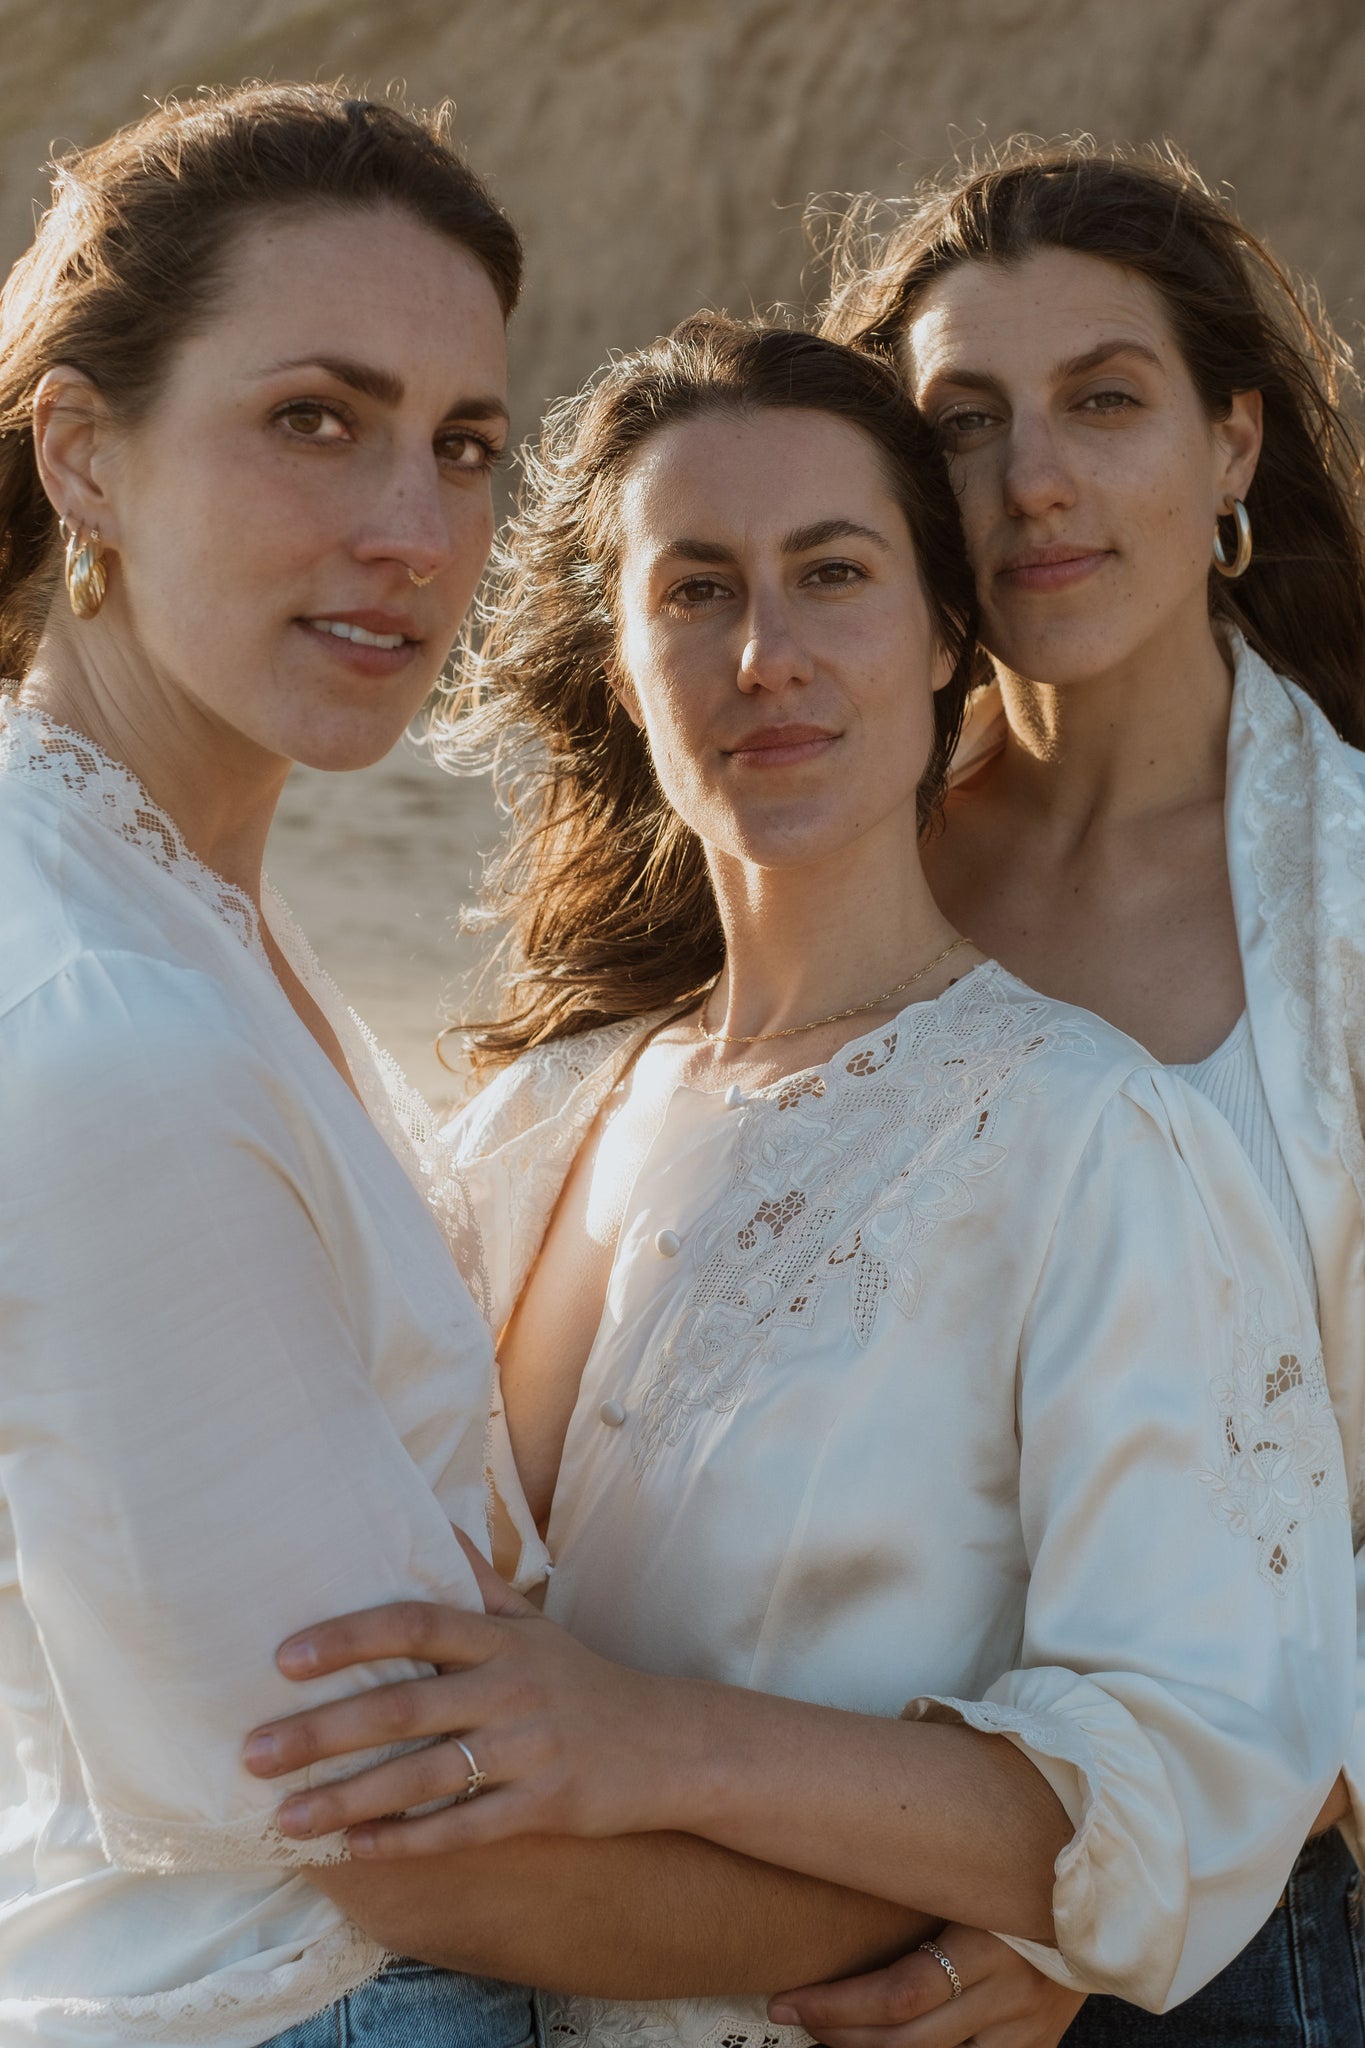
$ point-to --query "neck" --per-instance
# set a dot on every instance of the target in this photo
(802, 943)
(219, 788)
(1123, 747)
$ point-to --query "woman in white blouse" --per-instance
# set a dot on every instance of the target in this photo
(1160, 802)
(921, 1406)
(253, 367)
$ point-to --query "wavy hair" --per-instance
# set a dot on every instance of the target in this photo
(130, 254)
(1242, 323)
(601, 889)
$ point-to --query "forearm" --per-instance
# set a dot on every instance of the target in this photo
(640, 1916)
(950, 1822)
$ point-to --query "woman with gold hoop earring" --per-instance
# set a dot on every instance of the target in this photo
(1159, 809)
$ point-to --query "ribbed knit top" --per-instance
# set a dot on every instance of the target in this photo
(1231, 1080)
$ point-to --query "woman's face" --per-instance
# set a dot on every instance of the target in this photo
(329, 429)
(776, 644)
(1088, 471)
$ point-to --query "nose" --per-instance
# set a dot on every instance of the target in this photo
(1037, 477)
(775, 655)
(410, 519)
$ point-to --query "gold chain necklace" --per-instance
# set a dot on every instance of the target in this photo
(837, 1017)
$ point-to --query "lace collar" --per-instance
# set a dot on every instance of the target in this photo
(75, 771)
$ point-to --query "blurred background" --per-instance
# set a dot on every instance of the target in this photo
(657, 157)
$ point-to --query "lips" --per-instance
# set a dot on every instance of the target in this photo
(780, 746)
(1054, 566)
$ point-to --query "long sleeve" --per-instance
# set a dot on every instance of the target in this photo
(192, 1448)
(1185, 1678)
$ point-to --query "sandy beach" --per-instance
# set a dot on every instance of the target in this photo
(376, 866)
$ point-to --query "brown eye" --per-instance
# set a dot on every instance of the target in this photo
(309, 419)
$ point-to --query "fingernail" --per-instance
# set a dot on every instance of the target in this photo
(293, 1817)
(262, 1749)
(361, 1841)
(298, 1658)
(783, 2015)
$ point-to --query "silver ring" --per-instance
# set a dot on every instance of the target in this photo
(927, 1946)
(477, 1779)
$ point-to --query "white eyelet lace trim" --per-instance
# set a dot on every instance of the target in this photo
(228, 2001)
(1279, 1449)
(691, 2023)
(183, 1848)
(931, 1087)
(74, 767)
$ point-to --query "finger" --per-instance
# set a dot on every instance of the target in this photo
(492, 1817)
(414, 1711)
(911, 1986)
(421, 1777)
(954, 2025)
(498, 1596)
(418, 1629)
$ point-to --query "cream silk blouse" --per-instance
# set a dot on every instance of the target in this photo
(242, 1387)
(965, 1376)
(1295, 823)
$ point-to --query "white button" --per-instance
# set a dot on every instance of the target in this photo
(612, 1413)
(734, 1095)
(668, 1244)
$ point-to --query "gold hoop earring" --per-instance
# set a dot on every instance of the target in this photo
(87, 578)
(1241, 561)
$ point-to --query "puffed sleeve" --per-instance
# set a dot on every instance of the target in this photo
(191, 1446)
(1185, 1678)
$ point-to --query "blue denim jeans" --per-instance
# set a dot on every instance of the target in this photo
(410, 2005)
(1299, 1984)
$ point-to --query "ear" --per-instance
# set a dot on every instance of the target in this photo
(1237, 448)
(942, 672)
(71, 426)
(623, 690)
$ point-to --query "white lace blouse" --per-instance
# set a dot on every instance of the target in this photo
(967, 1376)
(242, 1386)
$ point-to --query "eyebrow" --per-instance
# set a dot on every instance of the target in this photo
(383, 386)
(1073, 366)
(799, 541)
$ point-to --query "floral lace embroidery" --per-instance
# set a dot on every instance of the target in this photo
(180, 1847)
(1306, 814)
(230, 2001)
(694, 2023)
(1279, 1444)
(927, 1092)
(76, 767)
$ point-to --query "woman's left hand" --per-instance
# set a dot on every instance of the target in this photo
(565, 1739)
(1005, 2002)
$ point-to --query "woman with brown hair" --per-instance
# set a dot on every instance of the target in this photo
(252, 386)
(847, 1288)
(1159, 805)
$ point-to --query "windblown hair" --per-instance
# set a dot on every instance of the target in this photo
(132, 251)
(602, 889)
(1241, 323)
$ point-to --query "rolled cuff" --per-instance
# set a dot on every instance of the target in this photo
(1120, 1899)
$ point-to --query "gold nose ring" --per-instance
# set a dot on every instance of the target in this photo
(421, 581)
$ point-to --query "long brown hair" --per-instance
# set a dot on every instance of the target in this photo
(1241, 323)
(604, 890)
(131, 251)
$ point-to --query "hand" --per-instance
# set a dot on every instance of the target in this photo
(562, 1736)
(1005, 2002)
(1336, 1807)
